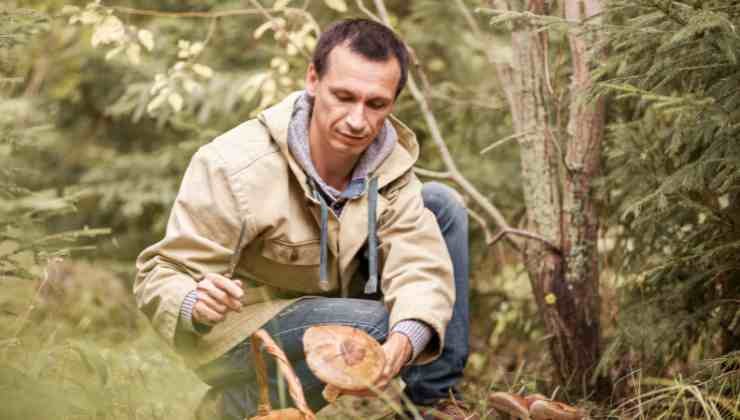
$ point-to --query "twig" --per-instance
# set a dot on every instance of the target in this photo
(202, 15)
(502, 141)
(21, 322)
(525, 234)
(432, 174)
(365, 10)
(483, 224)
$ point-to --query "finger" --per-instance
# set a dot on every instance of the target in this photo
(206, 315)
(211, 303)
(229, 286)
(213, 291)
(233, 291)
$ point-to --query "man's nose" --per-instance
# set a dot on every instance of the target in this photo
(356, 119)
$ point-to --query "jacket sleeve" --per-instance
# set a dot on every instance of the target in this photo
(417, 279)
(201, 234)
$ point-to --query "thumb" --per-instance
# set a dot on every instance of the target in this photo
(331, 393)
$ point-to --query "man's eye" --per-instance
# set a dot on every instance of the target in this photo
(343, 98)
(377, 105)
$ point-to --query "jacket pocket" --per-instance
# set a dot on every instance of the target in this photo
(305, 253)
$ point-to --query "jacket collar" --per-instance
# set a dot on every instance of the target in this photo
(277, 120)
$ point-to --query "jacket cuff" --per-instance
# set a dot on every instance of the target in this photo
(186, 321)
(417, 332)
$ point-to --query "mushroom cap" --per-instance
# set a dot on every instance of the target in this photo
(554, 410)
(511, 404)
(343, 356)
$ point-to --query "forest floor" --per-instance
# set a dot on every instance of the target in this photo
(79, 345)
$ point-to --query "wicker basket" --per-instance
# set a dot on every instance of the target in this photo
(261, 339)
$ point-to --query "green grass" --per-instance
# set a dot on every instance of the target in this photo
(78, 349)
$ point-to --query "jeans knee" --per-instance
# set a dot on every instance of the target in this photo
(444, 201)
(374, 315)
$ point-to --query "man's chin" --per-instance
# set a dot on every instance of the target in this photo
(347, 149)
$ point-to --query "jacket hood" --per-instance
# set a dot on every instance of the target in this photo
(277, 119)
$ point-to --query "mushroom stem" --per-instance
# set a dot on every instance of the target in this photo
(331, 393)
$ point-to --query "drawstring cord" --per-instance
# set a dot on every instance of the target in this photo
(324, 242)
(371, 286)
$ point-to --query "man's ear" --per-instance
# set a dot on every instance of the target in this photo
(312, 80)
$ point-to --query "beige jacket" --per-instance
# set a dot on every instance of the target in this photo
(248, 176)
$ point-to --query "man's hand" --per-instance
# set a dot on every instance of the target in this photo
(398, 351)
(217, 295)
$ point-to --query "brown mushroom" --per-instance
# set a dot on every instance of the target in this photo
(514, 405)
(345, 358)
(554, 410)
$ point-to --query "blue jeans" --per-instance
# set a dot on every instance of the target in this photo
(234, 377)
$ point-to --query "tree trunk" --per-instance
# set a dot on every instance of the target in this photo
(558, 176)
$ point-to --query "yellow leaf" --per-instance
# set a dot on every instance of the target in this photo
(196, 48)
(203, 70)
(147, 39)
(190, 86)
(262, 29)
(280, 4)
(159, 82)
(550, 299)
(114, 52)
(89, 17)
(175, 101)
(133, 52)
(338, 5)
(155, 103)
(110, 30)
(68, 10)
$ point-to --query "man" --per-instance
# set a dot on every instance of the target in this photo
(311, 214)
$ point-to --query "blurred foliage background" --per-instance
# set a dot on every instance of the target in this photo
(103, 104)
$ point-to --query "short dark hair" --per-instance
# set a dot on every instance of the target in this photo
(370, 39)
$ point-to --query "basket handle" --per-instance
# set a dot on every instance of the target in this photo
(259, 339)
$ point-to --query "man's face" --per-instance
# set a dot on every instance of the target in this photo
(351, 100)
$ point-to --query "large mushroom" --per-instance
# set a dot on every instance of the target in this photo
(514, 405)
(345, 358)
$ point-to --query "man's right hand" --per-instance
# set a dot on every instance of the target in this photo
(217, 295)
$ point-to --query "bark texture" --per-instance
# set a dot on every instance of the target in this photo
(558, 176)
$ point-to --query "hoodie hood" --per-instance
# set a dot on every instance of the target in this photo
(401, 159)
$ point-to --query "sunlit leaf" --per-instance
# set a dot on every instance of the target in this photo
(156, 102)
(110, 30)
(133, 52)
(338, 5)
(175, 100)
(147, 39)
(262, 29)
(68, 10)
(114, 52)
(203, 70)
